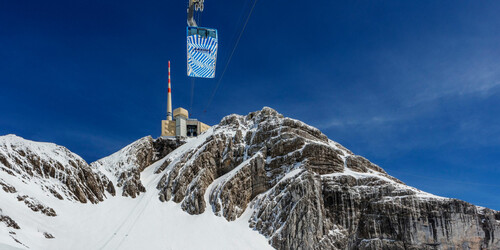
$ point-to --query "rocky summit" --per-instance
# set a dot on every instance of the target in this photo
(255, 181)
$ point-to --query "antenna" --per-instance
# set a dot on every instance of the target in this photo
(169, 99)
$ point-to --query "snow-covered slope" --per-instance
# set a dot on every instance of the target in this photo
(117, 223)
(251, 182)
(50, 168)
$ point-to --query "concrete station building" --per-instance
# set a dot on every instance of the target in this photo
(179, 124)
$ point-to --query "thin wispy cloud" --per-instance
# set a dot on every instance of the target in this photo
(478, 82)
(378, 120)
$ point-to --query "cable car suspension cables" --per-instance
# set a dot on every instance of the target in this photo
(230, 56)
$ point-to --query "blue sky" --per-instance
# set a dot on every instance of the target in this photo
(413, 86)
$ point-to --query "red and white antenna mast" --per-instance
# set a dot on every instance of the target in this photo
(169, 99)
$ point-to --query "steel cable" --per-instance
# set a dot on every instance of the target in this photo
(230, 57)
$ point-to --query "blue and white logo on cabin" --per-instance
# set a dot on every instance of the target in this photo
(201, 52)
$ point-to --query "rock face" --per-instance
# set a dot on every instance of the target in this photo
(308, 192)
(378, 213)
(295, 186)
(125, 166)
(53, 168)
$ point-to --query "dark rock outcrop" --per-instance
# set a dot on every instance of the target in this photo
(9, 222)
(126, 165)
(7, 187)
(36, 205)
(48, 235)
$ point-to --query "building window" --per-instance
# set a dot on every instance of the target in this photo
(192, 130)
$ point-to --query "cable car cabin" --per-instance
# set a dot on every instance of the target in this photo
(201, 52)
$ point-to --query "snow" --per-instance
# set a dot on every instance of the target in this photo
(46, 151)
(373, 174)
(16, 152)
(8, 247)
(292, 173)
(121, 222)
(120, 161)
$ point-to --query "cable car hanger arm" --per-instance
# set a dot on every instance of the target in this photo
(194, 5)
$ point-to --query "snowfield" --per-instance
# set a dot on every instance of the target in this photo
(120, 222)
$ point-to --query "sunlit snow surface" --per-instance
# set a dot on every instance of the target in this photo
(121, 222)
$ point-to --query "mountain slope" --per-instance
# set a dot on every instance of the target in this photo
(310, 192)
(124, 167)
(118, 222)
(288, 182)
(51, 168)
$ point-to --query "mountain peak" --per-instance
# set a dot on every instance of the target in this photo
(285, 179)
